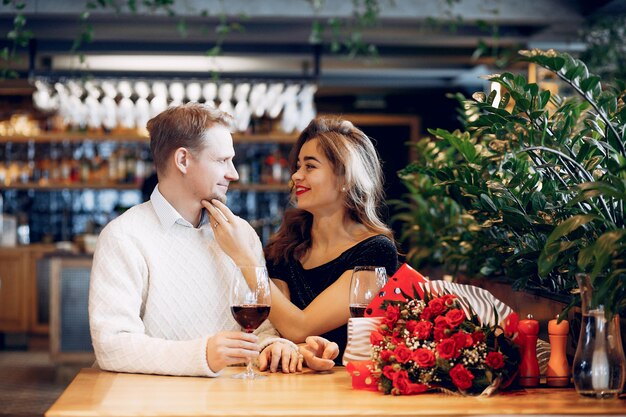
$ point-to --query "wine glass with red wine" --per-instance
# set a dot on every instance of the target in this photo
(250, 302)
(366, 282)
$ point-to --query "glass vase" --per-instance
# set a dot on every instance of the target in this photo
(599, 366)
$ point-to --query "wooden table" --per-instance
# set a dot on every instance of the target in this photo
(98, 393)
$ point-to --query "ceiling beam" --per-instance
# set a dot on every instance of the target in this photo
(504, 11)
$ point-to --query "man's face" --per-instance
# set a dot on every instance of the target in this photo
(211, 169)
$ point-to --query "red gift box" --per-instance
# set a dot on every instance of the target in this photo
(400, 287)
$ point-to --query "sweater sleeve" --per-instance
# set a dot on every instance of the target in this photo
(118, 287)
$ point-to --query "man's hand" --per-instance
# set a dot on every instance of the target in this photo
(230, 348)
(289, 359)
(319, 353)
(234, 235)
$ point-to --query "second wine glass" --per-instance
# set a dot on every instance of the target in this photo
(366, 282)
(250, 302)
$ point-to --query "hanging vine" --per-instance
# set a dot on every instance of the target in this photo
(19, 37)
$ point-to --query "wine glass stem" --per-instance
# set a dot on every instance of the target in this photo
(249, 370)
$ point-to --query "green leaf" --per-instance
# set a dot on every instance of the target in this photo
(544, 98)
(603, 248)
(593, 162)
(569, 225)
(491, 97)
(19, 20)
(550, 253)
(585, 256)
(181, 28)
(504, 101)
(488, 203)
(590, 83)
(215, 51)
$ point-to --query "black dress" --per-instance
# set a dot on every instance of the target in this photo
(306, 284)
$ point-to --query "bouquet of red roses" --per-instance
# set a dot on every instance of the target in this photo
(432, 343)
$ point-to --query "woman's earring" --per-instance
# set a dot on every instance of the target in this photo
(343, 189)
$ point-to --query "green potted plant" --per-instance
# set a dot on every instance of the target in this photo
(539, 181)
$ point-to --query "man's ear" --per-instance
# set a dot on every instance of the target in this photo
(181, 159)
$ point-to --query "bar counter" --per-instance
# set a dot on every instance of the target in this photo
(98, 393)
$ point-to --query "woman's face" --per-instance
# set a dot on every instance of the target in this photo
(317, 187)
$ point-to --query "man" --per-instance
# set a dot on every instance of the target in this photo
(158, 299)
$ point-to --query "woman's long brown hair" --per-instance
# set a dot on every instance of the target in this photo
(354, 159)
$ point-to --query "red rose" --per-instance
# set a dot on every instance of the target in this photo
(462, 340)
(442, 328)
(455, 317)
(446, 349)
(437, 306)
(376, 338)
(404, 385)
(410, 326)
(478, 336)
(389, 325)
(448, 299)
(427, 313)
(402, 353)
(396, 339)
(441, 333)
(441, 321)
(461, 377)
(424, 358)
(392, 314)
(494, 360)
(423, 329)
(385, 355)
(389, 372)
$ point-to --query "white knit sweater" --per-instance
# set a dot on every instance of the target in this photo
(159, 288)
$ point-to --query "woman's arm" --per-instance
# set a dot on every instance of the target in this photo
(283, 287)
(326, 312)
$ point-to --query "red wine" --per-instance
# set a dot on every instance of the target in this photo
(250, 316)
(357, 310)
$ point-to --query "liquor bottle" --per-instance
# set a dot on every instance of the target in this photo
(23, 229)
(3, 166)
(558, 372)
(55, 166)
(120, 174)
(65, 165)
(131, 165)
(244, 172)
(44, 165)
(267, 169)
(30, 164)
(23, 164)
(529, 366)
(141, 165)
(12, 167)
(112, 164)
(98, 170)
(85, 165)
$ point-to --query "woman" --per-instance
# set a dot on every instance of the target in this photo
(337, 188)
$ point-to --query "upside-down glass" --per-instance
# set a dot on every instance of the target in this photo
(366, 282)
(250, 305)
